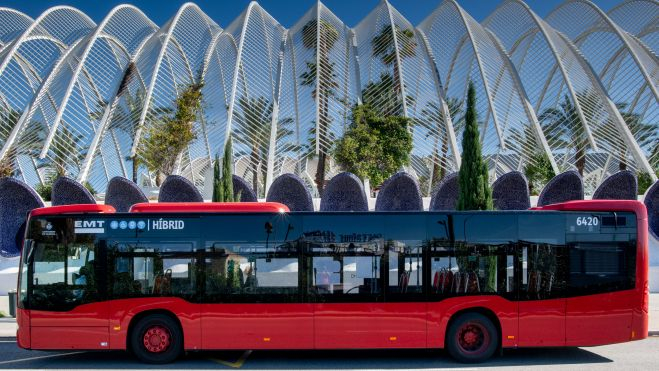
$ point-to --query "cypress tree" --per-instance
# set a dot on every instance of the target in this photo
(218, 191)
(227, 173)
(475, 192)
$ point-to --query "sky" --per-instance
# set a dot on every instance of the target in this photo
(287, 12)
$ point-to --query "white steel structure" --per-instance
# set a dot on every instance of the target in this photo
(577, 90)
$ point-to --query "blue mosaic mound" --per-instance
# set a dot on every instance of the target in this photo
(176, 188)
(511, 192)
(67, 191)
(16, 201)
(245, 189)
(290, 190)
(122, 193)
(344, 192)
(619, 186)
(652, 204)
(400, 192)
(563, 187)
(445, 195)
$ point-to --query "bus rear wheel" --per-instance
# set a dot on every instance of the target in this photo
(156, 339)
(472, 338)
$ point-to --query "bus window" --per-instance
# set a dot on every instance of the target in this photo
(153, 269)
(404, 237)
(599, 267)
(61, 279)
(345, 253)
(484, 251)
(256, 260)
(543, 257)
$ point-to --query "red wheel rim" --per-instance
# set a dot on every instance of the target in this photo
(157, 339)
(473, 338)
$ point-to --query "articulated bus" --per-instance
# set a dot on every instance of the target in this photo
(168, 278)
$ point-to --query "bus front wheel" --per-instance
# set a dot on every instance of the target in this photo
(156, 339)
(471, 338)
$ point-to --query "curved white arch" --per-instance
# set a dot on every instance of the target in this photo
(234, 83)
(163, 49)
(31, 108)
(74, 78)
(623, 36)
(37, 22)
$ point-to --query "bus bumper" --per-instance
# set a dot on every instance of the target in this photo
(23, 331)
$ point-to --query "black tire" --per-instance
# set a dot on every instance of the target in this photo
(471, 338)
(156, 339)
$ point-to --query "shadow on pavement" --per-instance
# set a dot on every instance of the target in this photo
(12, 357)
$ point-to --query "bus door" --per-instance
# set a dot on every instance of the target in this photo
(66, 287)
(602, 270)
(344, 255)
(252, 297)
(541, 280)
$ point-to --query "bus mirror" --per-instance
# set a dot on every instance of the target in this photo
(268, 227)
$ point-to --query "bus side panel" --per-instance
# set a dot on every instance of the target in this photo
(370, 325)
(84, 327)
(440, 313)
(257, 326)
(87, 338)
(122, 311)
(23, 333)
(600, 319)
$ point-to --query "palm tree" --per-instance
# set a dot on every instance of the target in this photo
(321, 36)
(646, 135)
(564, 128)
(384, 47)
(255, 118)
(8, 164)
(432, 119)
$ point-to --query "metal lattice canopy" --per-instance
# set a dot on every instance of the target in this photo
(577, 89)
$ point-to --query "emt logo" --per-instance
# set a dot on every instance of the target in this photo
(89, 226)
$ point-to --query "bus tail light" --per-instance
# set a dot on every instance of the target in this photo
(646, 298)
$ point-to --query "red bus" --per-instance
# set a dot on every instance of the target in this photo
(168, 278)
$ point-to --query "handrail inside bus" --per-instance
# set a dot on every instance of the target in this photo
(210, 207)
(74, 209)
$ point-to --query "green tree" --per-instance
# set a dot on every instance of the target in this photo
(218, 191)
(320, 36)
(384, 47)
(374, 147)
(475, 192)
(563, 126)
(645, 180)
(255, 118)
(645, 134)
(432, 119)
(166, 139)
(227, 174)
(538, 172)
(10, 118)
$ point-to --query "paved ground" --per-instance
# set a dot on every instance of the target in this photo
(641, 355)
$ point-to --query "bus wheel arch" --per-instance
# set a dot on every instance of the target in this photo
(474, 313)
(166, 324)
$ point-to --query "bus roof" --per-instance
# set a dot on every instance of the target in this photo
(634, 206)
(275, 207)
(210, 207)
(73, 209)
